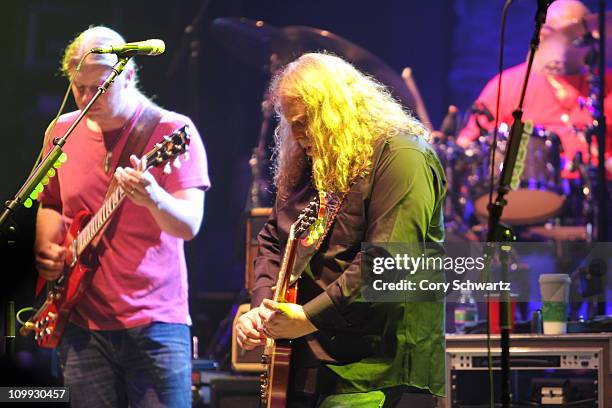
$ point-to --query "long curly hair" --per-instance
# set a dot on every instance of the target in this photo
(346, 113)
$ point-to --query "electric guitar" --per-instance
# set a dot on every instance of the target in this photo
(49, 321)
(305, 237)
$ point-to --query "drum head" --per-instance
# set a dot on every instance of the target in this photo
(524, 206)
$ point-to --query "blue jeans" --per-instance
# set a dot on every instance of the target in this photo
(148, 366)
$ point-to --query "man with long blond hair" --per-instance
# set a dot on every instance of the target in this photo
(341, 132)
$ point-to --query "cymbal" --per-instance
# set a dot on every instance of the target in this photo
(247, 40)
(293, 41)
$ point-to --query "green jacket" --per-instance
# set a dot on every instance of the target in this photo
(367, 345)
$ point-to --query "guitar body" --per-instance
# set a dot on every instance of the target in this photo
(277, 372)
(277, 360)
(308, 231)
(50, 320)
(52, 317)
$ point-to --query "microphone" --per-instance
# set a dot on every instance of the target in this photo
(148, 47)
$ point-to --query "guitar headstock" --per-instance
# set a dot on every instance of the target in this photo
(307, 218)
(314, 220)
(173, 145)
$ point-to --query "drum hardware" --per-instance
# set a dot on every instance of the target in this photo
(420, 107)
(598, 26)
(586, 32)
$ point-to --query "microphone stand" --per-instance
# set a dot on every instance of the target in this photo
(258, 157)
(54, 154)
(498, 232)
(191, 43)
(602, 213)
(9, 331)
(39, 173)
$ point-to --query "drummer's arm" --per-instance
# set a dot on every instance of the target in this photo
(471, 131)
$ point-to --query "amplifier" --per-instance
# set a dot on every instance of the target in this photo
(256, 219)
(539, 376)
(232, 392)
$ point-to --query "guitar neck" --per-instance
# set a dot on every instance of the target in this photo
(93, 227)
(97, 222)
(286, 266)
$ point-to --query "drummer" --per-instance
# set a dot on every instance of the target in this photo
(558, 79)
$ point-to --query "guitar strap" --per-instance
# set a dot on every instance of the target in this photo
(137, 140)
(306, 252)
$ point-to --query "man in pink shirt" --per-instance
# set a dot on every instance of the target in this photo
(556, 83)
(128, 340)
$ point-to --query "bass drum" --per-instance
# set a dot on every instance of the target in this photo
(539, 196)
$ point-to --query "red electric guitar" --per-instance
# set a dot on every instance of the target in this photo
(305, 236)
(49, 321)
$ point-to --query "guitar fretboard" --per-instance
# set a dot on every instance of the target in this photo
(93, 227)
(98, 220)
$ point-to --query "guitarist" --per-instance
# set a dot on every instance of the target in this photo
(128, 339)
(340, 131)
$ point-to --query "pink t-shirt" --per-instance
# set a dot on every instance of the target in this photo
(557, 110)
(142, 275)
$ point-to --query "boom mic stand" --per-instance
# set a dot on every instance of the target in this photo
(54, 154)
(37, 175)
(497, 232)
(602, 222)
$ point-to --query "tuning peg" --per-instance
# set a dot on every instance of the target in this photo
(177, 163)
(167, 168)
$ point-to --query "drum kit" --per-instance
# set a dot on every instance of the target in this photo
(543, 207)
(532, 208)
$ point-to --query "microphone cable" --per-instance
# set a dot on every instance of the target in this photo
(51, 127)
(493, 149)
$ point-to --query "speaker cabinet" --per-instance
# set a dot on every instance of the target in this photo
(255, 221)
(232, 392)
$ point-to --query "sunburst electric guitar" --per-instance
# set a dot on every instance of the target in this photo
(49, 321)
(305, 236)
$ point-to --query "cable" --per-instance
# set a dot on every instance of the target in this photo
(25, 309)
(59, 112)
(500, 69)
(493, 149)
